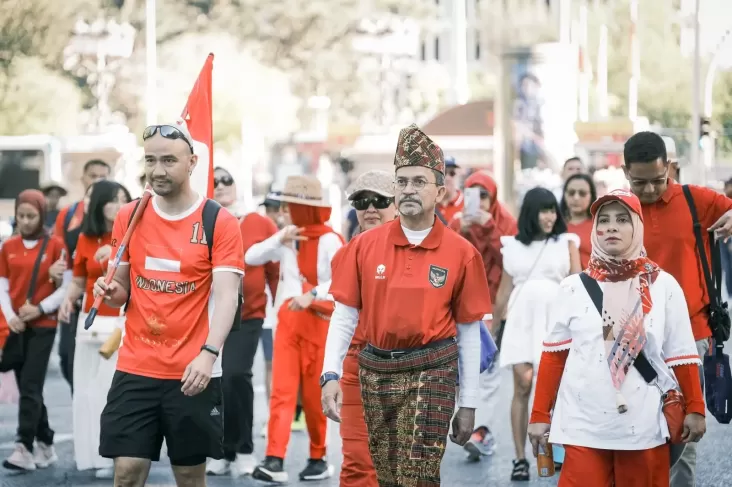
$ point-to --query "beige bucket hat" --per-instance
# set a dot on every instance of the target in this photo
(379, 182)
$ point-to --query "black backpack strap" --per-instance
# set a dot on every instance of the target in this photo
(641, 363)
(700, 247)
(716, 269)
(210, 212)
(593, 289)
(69, 215)
(36, 269)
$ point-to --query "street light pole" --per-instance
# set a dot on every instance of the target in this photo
(151, 61)
(696, 161)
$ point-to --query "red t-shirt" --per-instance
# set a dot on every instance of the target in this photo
(85, 266)
(584, 232)
(16, 264)
(171, 302)
(670, 242)
(256, 228)
(411, 295)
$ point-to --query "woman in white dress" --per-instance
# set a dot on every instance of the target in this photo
(92, 372)
(534, 263)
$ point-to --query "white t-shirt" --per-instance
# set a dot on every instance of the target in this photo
(586, 413)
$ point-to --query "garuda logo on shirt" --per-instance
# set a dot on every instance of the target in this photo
(438, 276)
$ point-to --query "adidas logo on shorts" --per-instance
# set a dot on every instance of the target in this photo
(215, 411)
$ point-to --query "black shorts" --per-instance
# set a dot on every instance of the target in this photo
(141, 411)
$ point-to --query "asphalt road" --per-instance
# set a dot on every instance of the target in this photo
(715, 461)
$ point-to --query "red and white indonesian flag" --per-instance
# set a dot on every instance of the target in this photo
(198, 115)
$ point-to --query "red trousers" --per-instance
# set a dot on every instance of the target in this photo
(588, 467)
(297, 361)
(358, 468)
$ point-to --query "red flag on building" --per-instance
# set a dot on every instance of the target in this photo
(198, 115)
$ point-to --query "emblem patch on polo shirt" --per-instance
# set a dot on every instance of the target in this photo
(438, 276)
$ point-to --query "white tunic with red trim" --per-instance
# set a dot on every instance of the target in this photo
(585, 413)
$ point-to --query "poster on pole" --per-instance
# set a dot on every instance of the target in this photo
(538, 109)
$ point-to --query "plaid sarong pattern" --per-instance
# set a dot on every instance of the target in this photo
(415, 148)
(408, 404)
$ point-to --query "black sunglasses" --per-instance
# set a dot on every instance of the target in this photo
(167, 131)
(451, 172)
(379, 202)
(225, 180)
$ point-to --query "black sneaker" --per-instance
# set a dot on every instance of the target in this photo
(316, 469)
(271, 470)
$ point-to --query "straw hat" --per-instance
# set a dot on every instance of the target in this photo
(302, 190)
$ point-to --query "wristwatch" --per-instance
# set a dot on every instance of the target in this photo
(210, 349)
(40, 309)
(327, 377)
(314, 292)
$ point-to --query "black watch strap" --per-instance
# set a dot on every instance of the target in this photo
(210, 349)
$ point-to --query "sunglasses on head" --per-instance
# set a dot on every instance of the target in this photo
(225, 180)
(168, 132)
(379, 202)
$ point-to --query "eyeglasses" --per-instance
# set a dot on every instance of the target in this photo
(168, 132)
(579, 192)
(225, 180)
(379, 202)
(418, 184)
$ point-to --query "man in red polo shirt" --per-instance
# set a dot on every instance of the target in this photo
(420, 291)
(452, 202)
(670, 241)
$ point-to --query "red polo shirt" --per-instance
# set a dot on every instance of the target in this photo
(670, 242)
(411, 295)
(449, 209)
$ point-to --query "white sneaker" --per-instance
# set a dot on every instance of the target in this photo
(105, 473)
(20, 459)
(243, 465)
(217, 467)
(44, 455)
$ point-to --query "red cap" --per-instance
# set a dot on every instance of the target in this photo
(624, 196)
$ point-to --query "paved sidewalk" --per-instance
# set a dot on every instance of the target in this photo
(715, 461)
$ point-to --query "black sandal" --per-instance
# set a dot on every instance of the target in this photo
(520, 471)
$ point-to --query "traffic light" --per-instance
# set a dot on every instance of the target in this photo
(705, 127)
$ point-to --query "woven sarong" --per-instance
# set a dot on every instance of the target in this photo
(408, 404)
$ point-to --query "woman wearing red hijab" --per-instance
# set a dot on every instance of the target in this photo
(28, 310)
(485, 231)
(304, 250)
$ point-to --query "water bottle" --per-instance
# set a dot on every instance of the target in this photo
(545, 460)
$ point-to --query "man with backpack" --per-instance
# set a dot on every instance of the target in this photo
(677, 219)
(68, 227)
(179, 277)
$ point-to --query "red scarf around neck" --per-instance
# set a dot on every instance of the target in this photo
(312, 219)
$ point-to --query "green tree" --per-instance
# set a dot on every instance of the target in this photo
(34, 92)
